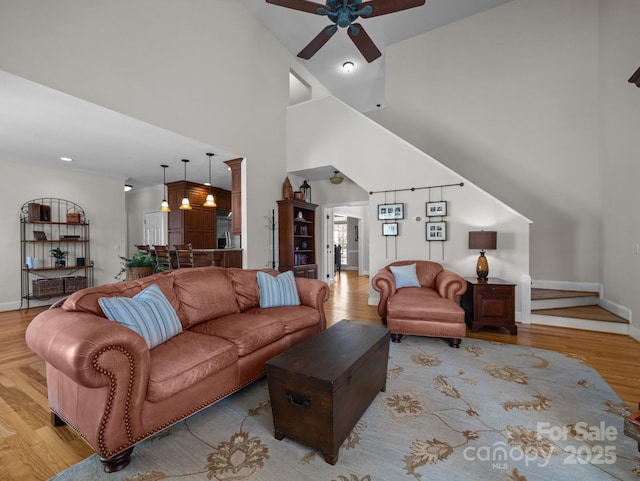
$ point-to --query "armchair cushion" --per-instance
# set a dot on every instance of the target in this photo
(148, 313)
(405, 276)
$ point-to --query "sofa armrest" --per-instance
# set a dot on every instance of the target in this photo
(385, 284)
(314, 293)
(450, 285)
(99, 356)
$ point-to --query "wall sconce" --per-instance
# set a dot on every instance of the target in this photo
(185, 205)
(482, 240)
(127, 187)
(305, 188)
(210, 202)
(164, 206)
(336, 178)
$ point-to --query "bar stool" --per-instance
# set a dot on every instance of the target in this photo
(163, 259)
(184, 255)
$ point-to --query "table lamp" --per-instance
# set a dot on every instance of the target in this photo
(482, 240)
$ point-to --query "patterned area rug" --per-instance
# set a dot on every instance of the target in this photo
(486, 411)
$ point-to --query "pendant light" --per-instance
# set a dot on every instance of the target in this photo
(185, 205)
(164, 206)
(210, 202)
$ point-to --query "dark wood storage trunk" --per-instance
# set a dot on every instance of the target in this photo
(320, 388)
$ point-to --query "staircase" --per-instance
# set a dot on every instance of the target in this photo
(576, 309)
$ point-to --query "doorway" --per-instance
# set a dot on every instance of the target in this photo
(155, 228)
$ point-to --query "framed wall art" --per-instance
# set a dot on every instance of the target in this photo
(436, 209)
(436, 231)
(390, 228)
(390, 211)
(39, 235)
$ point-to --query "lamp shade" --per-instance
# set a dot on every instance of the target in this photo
(482, 239)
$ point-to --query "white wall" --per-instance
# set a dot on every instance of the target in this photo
(620, 151)
(205, 69)
(101, 198)
(391, 163)
(509, 99)
(138, 202)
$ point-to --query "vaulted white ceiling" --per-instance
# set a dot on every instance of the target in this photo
(38, 124)
(363, 87)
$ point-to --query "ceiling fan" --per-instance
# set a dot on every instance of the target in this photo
(344, 13)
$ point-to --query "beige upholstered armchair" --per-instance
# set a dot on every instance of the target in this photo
(421, 298)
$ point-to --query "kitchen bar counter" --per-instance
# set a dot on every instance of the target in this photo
(217, 257)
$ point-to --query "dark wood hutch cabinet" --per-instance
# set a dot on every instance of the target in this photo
(198, 225)
(297, 238)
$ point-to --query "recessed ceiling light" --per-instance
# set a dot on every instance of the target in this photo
(348, 66)
(66, 159)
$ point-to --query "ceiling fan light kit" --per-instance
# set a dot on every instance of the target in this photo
(347, 66)
(343, 14)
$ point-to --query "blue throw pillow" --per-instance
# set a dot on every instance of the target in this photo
(405, 276)
(278, 291)
(149, 313)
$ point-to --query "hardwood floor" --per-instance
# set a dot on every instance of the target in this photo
(32, 450)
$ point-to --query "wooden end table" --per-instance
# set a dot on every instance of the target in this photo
(489, 303)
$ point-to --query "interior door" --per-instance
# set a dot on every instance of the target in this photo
(155, 228)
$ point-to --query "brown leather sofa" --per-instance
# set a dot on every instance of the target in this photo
(106, 383)
(430, 309)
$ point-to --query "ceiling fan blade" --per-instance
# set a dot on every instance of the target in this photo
(382, 7)
(302, 5)
(317, 43)
(364, 43)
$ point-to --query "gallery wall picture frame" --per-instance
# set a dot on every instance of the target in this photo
(390, 211)
(39, 235)
(390, 229)
(437, 209)
(436, 231)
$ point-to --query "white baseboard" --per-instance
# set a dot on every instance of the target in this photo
(568, 302)
(568, 286)
(15, 305)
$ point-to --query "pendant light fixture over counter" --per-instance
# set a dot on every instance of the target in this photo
(210, 202)
(164, 206)
(185, 205)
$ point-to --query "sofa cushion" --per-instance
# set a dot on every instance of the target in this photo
(86, 300)
(294, 318)
(205, 293)
(245, 286)
(405, 276)
(278, 291)
(184, 360)
(246, 330)
(148, 313)
(421, 303)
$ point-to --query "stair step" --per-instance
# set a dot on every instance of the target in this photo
(591, 312)
(538, 294)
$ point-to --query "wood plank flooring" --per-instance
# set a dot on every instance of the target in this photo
(32, 450)
(593, 312)
(538, 294)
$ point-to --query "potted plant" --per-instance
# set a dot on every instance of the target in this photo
(139, 265)
(59, 255)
